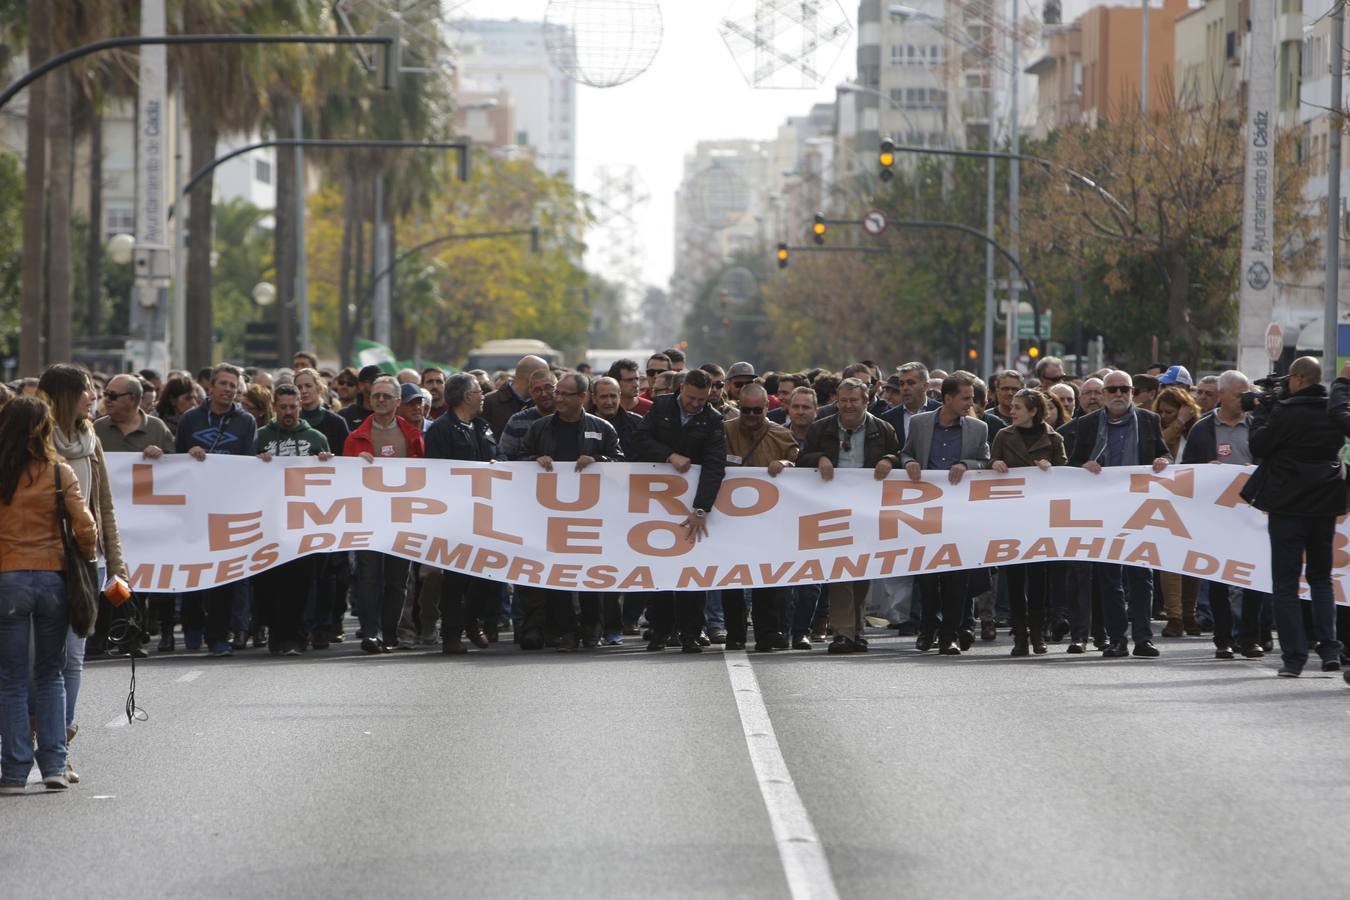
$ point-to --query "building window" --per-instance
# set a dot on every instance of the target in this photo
(262, 171)
(1230, 45)
(119, 220)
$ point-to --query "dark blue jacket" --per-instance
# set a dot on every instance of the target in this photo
(232, 434)
(895, 417)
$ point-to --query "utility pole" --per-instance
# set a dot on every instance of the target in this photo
(151, 253)
(1014, 184)
(1143, 61)
(1331, 313)
(1256, 288)
(380, 308)
(301, 260)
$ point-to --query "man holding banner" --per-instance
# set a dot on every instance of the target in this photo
(1122, 434)
(681, 429)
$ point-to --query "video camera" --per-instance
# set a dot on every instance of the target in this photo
(1274, 388)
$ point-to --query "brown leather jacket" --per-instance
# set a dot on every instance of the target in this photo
(101, 504)
(30, 535)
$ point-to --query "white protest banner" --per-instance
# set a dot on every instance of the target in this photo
(187, 525)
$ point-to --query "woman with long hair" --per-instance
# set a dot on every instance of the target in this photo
(1028, 441)
(33, 609)
(70, 394)
(1177, 412)
(180, 395)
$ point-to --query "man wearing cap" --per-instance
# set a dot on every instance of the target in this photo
(413, 403)
(738, 376)
(910, 385)
(752, 440)
(355, 414)
(503, 403)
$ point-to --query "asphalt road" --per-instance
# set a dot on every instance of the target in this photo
(620, 773)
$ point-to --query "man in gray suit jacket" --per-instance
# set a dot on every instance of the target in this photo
(951, 439)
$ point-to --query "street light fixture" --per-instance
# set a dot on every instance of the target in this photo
(264, 294)
(120, 247)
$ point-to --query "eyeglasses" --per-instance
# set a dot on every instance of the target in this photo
(110, 396)
(1118, 389)
(383, 396)
(719, 384)
(752, 410)
(570, 393)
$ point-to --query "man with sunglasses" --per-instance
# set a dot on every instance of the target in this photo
(1122, 434)
(752, 440)
(656, 364)
(382, 580)
(569, 435)
(852, 438)
(1049, 371)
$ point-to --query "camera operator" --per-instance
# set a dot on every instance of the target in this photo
(1297, 433)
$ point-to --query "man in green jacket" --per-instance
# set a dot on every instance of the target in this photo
(283, 590)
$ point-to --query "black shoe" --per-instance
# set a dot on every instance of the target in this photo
(966, 638)
(319, 642)
(1268, 646)
(241, 643)
(1116, 650)
(801, 642)
(1331, 665)
(764, 648)
(949, 650)
(988, 632)
(1100, 644)
(1075, 647)
(780, 642)
(1224, 653)
(1020, 646)
(691, 647)
(733, 645)
(860, 644)
(906, 629)
(566, 643)
(1252, 651)
(1038, 645)
(715, 636)
(647, 634)
(260, 638)
(1287, 673)
(656, 645)
(703, 640)
(1058, 630)
(532, 639)
(1146, 650)
(841, 644)
(371, 646)
(1346, 676)
(166, 644)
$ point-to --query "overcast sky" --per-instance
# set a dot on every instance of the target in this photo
(692, 92)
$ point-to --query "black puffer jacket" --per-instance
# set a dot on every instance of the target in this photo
(1298, 441)
(449, 438)
(599, 440)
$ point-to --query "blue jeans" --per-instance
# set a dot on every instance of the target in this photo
(713, 615)
(1127, 587)
(802, 602)
(32, 604)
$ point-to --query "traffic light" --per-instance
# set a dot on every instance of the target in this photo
(782, 256)
(887, 159)
(972, 351)
(818, 229)
(1033, 351)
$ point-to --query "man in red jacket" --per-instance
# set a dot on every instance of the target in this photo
(382, 580)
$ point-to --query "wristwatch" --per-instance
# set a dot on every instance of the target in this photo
(700, 513)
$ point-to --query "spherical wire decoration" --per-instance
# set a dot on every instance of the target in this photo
(602, 43)
(718, 197)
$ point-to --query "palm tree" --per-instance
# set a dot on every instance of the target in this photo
(31, 357)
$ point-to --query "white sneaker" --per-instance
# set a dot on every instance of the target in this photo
(56, 782)
(7, 788)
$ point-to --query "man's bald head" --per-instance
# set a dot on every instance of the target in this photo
(527, 366)
(1309, 368)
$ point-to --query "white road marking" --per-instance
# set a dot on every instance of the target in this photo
(190, 676)
(119, 722)
(804, 861)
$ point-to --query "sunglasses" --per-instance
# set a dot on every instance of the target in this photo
(110, 396)
(752, 410)
(1118, 389)
(652, 373)
(719, 384)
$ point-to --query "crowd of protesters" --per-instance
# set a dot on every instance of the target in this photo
(57, 429)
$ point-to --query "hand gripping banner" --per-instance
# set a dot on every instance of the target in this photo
(188, 525)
